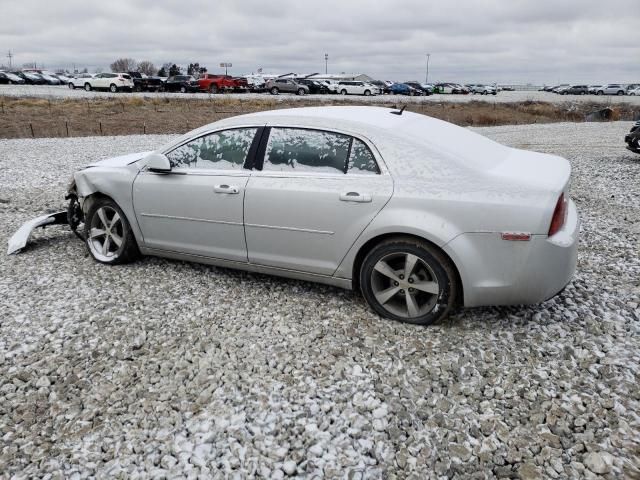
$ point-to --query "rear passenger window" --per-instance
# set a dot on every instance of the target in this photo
(225, 150)
(300, 150)
(361, 159)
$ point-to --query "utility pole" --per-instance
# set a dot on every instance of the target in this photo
(10, 55)
(326, 61)
(426, 80)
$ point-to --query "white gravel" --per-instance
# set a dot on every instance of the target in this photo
(50, 91)
(170, 369)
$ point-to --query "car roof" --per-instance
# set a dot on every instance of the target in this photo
(397, 137)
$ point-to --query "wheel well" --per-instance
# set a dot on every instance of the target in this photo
(370, 244)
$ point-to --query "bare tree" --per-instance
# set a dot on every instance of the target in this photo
(124, 65)
(147, 68)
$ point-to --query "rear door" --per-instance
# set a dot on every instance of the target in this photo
(198, 207)
(313, 195)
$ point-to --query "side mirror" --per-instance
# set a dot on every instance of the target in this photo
(158, 163)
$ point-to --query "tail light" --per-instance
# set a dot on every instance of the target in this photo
(559, 216)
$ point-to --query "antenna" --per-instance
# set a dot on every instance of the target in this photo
(399, 112)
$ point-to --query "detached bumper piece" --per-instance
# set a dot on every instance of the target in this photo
(19, 239)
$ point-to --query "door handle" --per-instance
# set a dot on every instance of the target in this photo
(228, 189)
(355, 197)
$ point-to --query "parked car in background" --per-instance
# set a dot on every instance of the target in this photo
(561, 88)
(347, 196)
(354, 87)
(46, 76)
(632, 86)
(593, 89)
(634, 92)
(10, 78)
(286, 85)
(484, 89)
(450, 88)
(114, 82)
(423, 87)
(611, 89)
(30, 78)
(633, 138)
(382, 86)
(576, 90)
(182, 84)
(142, 82)
(78, 80)
(316, 87)
(404, 89)
(213, 83)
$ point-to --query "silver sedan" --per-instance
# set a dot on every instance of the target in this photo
(418, 214)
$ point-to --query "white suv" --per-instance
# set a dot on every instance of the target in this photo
(113, 82)
(611, 89)
(356, 88)
(78, 80)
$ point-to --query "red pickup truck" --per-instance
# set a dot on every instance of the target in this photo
(222, 83)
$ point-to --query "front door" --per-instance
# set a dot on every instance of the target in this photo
(198, 207)
(315, 194)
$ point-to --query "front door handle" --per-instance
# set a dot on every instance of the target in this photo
(355, 197)
(228, 189)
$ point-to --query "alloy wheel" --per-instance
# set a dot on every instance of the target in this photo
(404, 285)
(106, 234)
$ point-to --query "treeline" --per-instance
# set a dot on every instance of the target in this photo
(148, 68)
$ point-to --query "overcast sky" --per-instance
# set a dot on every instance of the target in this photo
(506, 41)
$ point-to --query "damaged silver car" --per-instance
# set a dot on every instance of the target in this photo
(416, 213)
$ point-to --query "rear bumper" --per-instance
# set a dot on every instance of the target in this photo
(498, 272)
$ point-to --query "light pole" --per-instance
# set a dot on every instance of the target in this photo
(426, 80)
(10, 55)
(326, 60)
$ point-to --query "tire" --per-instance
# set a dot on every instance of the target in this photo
(113, 88)
(620, 92)
(301, 91)
(274, 91)
(104, 247)
(343, 92)
(213, 89)
(87, 87)
(385, 290)
(600, 92)
(137, 88)
(582, 93)
(183, 89)
(71, 86)
(367, 93)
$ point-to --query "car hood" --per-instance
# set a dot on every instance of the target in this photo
(120, 161)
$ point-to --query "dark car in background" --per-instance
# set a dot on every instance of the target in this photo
(383, 87)
(576, 90)
(142, 82)
(182, 84)
(315, 86)
(404, 89)
(10, 78)
(30, 78)
(419, 86)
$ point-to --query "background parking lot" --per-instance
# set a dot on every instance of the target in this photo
(164, 367)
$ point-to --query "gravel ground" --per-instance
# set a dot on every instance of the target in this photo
(49, 91)
(169, 369)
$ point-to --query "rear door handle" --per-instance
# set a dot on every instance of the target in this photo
(355, 197)
(228, 189)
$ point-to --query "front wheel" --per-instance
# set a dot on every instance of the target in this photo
(274, 91)
(113, 88)
(600, 92)
(409, 281)
(87, 87)
(620, 92)
(367, 93)
(108, 233)
(183, 89)
(213, 89)
(343, 92)
(301, 91)
(71, 86)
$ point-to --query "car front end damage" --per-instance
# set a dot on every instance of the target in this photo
(112, 177)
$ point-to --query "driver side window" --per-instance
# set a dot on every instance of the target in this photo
(226, 150)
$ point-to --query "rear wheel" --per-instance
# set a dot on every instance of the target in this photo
(343, 92)
(408, 280)
(600, 92)
(71, 86)
(213, 88)
(87, 87)
(183, 89)
(367, 93)
(301, 91)
(108, 233)
(620, 92)
(113, 88)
